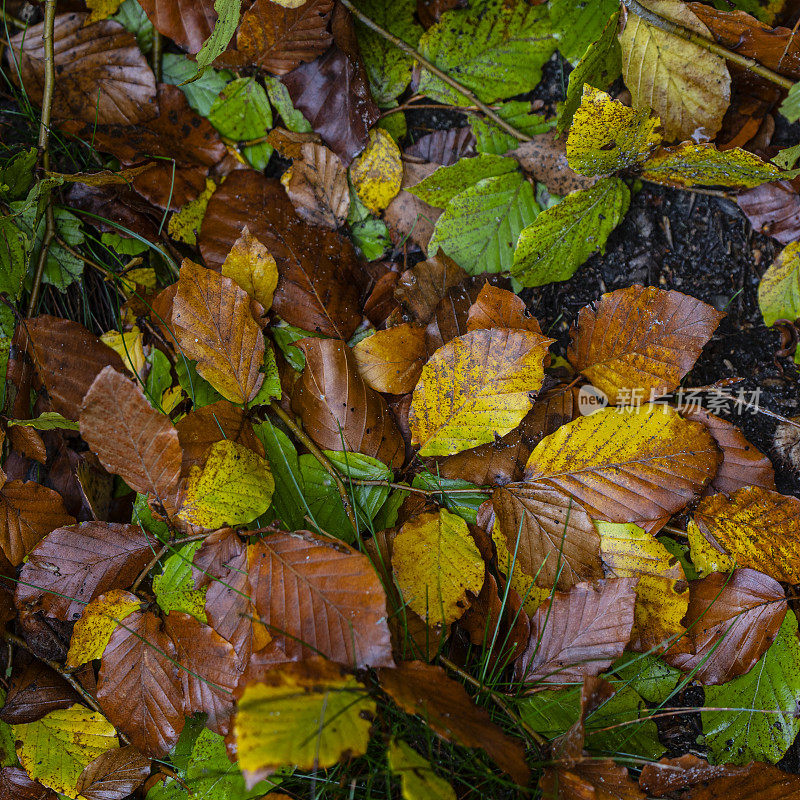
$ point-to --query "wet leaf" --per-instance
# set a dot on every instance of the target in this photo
(186, 22)
(174, 586)
(391, 360)
(448, 181)
(589, 779)
(499, 308)
(114, 775)
(544, 158)
(417, 778)
(445, 147)
(576, 25)
(491, 138)
(773, 209)
(779, 288)
(16, 785)
(378, 172)
(253, 268)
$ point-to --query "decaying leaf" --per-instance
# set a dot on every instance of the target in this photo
(499, 308)
(391, 360)
(115, 773)
(253, 268)
(378, 172)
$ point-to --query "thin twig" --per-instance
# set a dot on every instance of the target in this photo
(707, 44)
(452, 82)
(158, 47)
(303, 438)
(675, 531)
(416, 490)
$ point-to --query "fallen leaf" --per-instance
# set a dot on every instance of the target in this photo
(114, 774)
(589, 779)
(253, 268)
(417, 778)
(666, 775)
(422, 287)
(408, 217)
(187, 22)
(779, 287)
(544, 158)
(499, 308)
(377, 173)
(391, 360)
(444, 147)
(16, 785)
(757, 782)
(773, 209)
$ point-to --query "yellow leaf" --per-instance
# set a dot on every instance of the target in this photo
(98, 621)
(141, 276)
(58, 747)
(102, 9)
(418, 781)
(308, 714)
(662, 593)
(686, 85)
(171, 398)
(233, 488)
(706, 557)
(391, 360)
(129, 347)
(253, 268)
(532, 596)
(606, 135)
(436, 562)
(476, 388)
(289, 3)
(184, 225)
(377, 174)
(779, 290)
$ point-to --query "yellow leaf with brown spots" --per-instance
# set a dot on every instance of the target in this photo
(391, 360)
(377, 174)
(754, 527)
(607, 135)
(233, 488)
(98, 621)
(184, 225)
(435, 562)
(477, 387)
(252, 266)
(662, 593)
(102, 9)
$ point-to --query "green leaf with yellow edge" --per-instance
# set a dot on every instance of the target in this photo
(607, 135)
(662, 593)
(754, 717)
(418, 781)
(532, 596)
(252, 266)
(689, 164)
(309, 714)
(445, 183)
(779, 289)
(98, 621)
(233, 488)
(46, 421)
(578, 23)
(58, 747)
(435, 563)
(377, 173)
(561, 238)
(184, 225)
(475, 388)
(174, 585)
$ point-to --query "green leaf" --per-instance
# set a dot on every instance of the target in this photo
(600, 66)
(495, 48)
(198, 389)
(293, 119)
(578, 23)
(790, 107)
(480, 226)
(271, 388)
(764, 719)
(285, 336)
(174, 586)
(143, 516)
(16, 176)
(200, 94)
(564, 236)
(368, 233)
(8, 754)
(447, 182)
(647, 674)
(13, 258)
(463, 503)
(417, 778)
(132, 17)
(779, 289)
(388, 67)
(46, 421)
(242, 112)
(228, 12)
(754, 7)
(123, 245)
(681, 552)
(787, 157)
(159, 378)
(7, 325)
(492, 139)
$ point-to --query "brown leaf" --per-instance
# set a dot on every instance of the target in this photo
(408, 217)
(444, 704)
(73, 565)
(28, 441)
(580, 632)
(209, 672)
(568, 748)
(114, 775)
(338, 410)
(662, 777)
(317, 183)
(214, 325)
(119, 205)
(277, 39)
(139, 687)
(16, 785)
(318, 286)
(544, 158)
(430, 11)
(444, 147)
(641, 339)
(68, 358)
(557, 538)
(753, 782)
(130, 437)
(28, 512)
(422, 287)
(391, 360)
(499, 308)
(324, 595)
(102, 75)
(731, 621)
(603, 780)
(187, 22)
(773, 209)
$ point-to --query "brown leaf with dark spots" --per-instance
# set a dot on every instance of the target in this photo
(391, 360)
(16, 785)
(545, 159)
(102, 75)
(323, 594)
(214, 325)
(28, 512)
(277, 39)
(773, 209)
(662, 777)
(580, 632)
(500, 308)
(557, 538)
(444, 704)
(73, 565)
(130, 437)
(589, 780)
(114, 775)
(209, 671)
(139, 688)
(731, 621)
(68, 358)
(444, 147)
(187, 22)
(422, 287)
(318, 273)
(338, 410)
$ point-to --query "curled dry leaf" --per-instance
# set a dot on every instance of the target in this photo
(338, 410)
(330, 601)
(214, 324)
(139, 686)
(130, 437)
(187, 22)
(580, 632)
(391, 360)
(114, 775)
(499, 308)
(102, 75)
(444, 704)
(253, 268)
(640, 339)
(476, 387)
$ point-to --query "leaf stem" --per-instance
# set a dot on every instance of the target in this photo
(431, 67)
(707, 44)
(416, 490)
(158, 48)
(170, 545)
